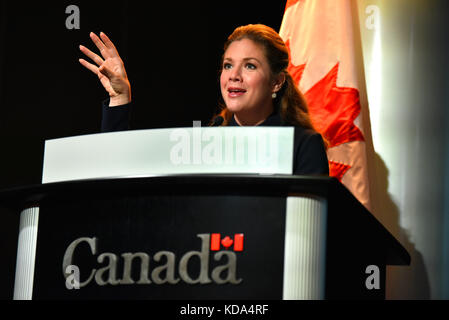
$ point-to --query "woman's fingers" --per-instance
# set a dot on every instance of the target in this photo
(105, 71)
(105, 45)
(100, 45)
(108, 43)
(95, 57)
(89, 66)
(104, 80)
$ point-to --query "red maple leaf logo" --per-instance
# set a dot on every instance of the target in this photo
(227, 242)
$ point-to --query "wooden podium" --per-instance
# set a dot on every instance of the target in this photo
(196, 235)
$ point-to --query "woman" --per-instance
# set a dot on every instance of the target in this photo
(255, 85)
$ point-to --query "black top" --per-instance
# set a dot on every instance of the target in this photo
(309, 155)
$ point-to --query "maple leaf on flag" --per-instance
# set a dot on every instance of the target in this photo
(337, 169)
(333, 109)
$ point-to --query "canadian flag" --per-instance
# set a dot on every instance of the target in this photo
(319, 35)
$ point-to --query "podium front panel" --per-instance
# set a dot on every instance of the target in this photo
(161, 247)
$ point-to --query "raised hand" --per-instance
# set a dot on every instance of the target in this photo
(109, 68)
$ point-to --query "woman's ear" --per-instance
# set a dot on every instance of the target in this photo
(278, 82)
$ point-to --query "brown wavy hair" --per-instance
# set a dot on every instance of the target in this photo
(290, 103)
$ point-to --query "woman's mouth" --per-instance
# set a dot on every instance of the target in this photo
(234, 92)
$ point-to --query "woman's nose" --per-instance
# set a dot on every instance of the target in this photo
(235, 74)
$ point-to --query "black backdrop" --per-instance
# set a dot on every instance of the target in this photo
(172, 55)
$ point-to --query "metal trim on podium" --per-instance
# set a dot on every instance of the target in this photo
(305, 248)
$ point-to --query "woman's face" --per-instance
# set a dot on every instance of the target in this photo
(245, 79)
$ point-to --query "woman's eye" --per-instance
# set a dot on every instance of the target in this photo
(227, 66)
(250, 66)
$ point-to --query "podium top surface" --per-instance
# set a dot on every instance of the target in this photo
(341, 203)
(170, 151)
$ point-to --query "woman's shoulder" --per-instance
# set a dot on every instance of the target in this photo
(305, 132)
(302, 134)
(307, 139)
(309, 152)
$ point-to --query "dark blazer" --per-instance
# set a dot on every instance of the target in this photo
(309, 155)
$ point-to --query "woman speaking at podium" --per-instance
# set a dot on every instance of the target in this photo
(256, 87)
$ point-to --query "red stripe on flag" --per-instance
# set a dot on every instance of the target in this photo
(215, 242)
(238, 242)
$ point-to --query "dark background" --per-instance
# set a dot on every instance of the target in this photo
(172, 56)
